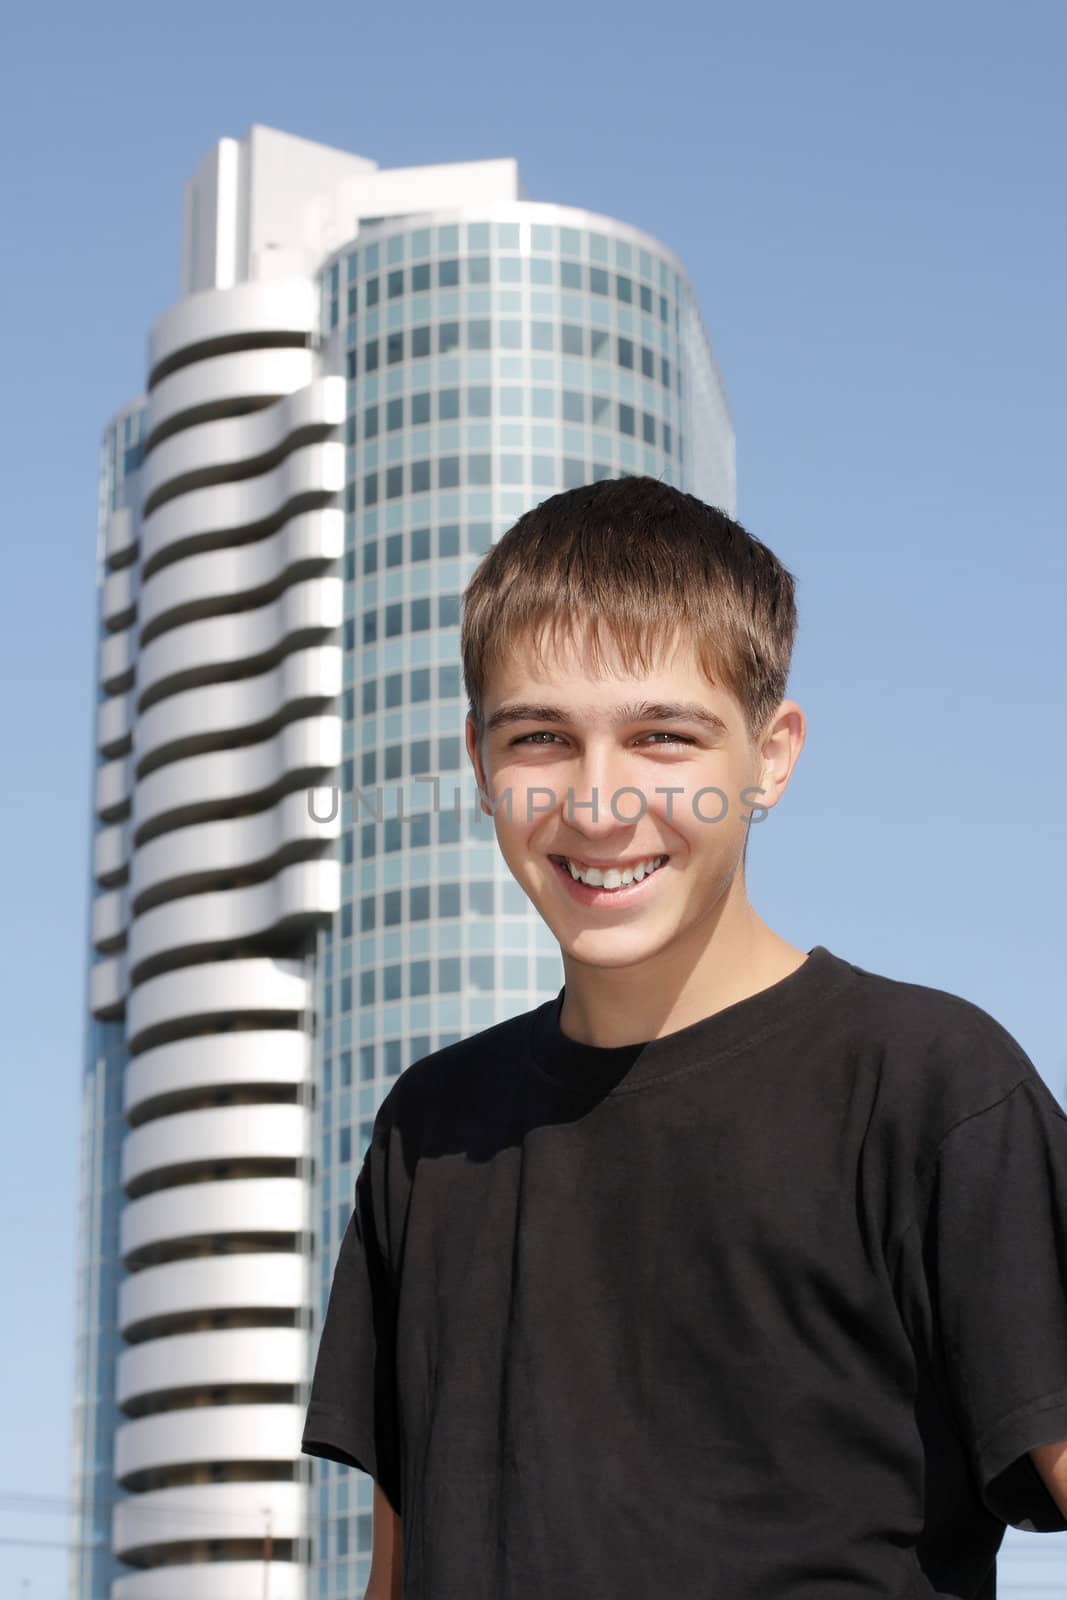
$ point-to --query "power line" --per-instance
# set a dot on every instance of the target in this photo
(59, 1505)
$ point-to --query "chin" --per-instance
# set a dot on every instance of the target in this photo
(607, 948)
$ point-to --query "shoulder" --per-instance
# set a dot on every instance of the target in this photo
(476, 1073)
(939, 1055)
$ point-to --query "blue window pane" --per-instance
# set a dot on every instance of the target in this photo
(480, 972)
(480, 896)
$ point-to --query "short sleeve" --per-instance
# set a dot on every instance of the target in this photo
(995, 1257)
(352, 1409)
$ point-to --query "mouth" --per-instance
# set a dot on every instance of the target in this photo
(599, 894)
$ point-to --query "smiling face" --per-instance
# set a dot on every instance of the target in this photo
(558, 738)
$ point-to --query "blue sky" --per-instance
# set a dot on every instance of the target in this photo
(869, 200)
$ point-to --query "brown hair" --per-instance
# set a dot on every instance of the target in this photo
(642, 559)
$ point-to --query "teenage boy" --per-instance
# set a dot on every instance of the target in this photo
(734, 1271)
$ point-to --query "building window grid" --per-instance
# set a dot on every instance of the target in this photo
(649, 285)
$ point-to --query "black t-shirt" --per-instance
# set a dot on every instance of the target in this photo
(769, 1308)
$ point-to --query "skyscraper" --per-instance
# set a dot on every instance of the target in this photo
(369, 374)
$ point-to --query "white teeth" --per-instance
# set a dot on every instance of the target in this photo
(613, 878)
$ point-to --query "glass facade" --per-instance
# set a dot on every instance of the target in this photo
(490, 362)
(103, 1125)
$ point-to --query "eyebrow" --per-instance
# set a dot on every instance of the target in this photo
(640, 711)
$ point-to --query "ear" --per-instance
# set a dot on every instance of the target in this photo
(470, 734)
(780, 749)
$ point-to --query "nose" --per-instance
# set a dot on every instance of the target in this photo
(601, 796)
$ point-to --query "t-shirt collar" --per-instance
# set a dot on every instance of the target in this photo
(617, 1069)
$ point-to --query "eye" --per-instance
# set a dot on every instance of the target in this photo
(671, 738)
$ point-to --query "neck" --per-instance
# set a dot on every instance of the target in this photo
(710, 968)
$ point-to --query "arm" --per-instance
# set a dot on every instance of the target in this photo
(1051, 1462)
(386, 1562)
